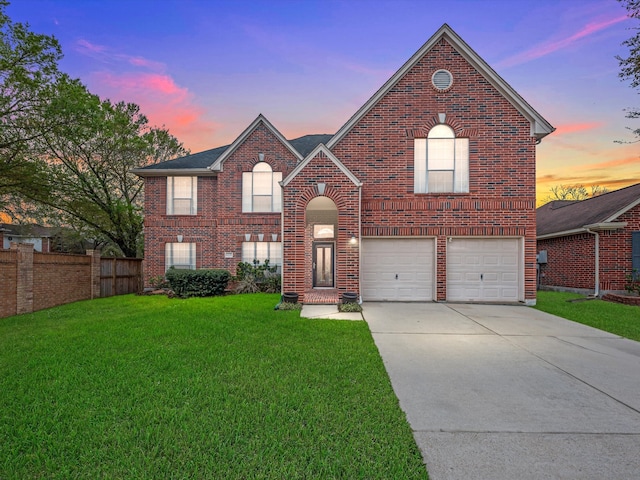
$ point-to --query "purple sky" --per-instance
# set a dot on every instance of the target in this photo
(206, 69)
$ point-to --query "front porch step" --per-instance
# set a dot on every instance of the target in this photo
(321, 297)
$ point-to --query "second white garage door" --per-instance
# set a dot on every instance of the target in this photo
(397, 269)
(484, 269)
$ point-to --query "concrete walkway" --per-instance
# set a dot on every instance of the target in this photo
(328, 312)
(508, 392)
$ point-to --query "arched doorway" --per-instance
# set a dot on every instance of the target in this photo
(321, 217)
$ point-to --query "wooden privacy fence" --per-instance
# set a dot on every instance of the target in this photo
(31, 281)
(119, 276)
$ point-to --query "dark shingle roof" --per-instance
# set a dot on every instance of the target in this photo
(561, 215)
(29, 230)
(304, 145)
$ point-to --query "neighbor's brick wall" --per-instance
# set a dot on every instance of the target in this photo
(50, 272)
(8, 282)
(220, 225)
(501, 201)
(571, 259)
(31, 281)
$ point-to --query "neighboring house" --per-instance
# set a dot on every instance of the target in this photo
(41, 237)
(426, 193)
(592, 244)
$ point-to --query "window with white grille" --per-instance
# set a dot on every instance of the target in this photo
(182, 195)
(261, 191)
(441, 162)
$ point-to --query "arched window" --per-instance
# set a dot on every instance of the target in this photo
(441, 162)
(260, 189)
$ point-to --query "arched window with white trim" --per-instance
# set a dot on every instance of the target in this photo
(441, 162)
(261, 191)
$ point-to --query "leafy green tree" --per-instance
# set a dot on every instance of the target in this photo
(88, 158)
(630, 65)
(28, 78)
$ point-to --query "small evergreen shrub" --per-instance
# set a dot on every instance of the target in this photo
(290, 306)
(633, 282)
(198, 283)
(350, 307)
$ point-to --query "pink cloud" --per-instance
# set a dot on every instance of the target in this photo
(577, 127)
(552, 46)
(163, 102)
(87, 47)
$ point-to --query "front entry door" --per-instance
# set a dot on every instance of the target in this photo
(322, 264)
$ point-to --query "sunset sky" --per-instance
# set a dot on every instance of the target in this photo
(206, 69)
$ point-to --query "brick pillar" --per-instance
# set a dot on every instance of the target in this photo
(95, 273)
(24, 277)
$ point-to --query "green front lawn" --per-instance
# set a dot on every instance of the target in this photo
(150, 388)
(623, 320)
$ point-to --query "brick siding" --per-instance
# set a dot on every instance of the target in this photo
(571, 259)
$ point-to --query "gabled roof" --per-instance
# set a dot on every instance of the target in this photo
(561, 218)
(218, 164)
(200, 163)
(539, 126)
(321, 149)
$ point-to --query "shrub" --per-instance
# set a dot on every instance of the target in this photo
(633, 282)
(350, 307)
(255, 277)
(158, 281)
(247, 284)
(289, 306)
(198, 283)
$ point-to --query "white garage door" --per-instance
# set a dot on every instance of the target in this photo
(397, 269)
(484, 269)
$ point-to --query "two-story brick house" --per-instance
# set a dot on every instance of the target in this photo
(426, 193)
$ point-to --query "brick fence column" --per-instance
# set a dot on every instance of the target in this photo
(95, 273)
(24, 277)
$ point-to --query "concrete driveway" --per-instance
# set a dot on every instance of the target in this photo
(508, 392)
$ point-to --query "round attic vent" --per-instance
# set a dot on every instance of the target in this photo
(442, 80)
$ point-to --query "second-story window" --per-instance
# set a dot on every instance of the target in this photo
(182, 195)
(441, 162)
(260, 189)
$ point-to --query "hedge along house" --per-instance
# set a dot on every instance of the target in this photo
(590, 245)
(426, 193)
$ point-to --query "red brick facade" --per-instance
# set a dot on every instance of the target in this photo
(377, 150)
(571, 259)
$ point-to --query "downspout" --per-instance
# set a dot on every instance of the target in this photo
(360, 241)
(597, 266)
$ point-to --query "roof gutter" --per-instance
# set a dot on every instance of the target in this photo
(174, 172)
(595, 227)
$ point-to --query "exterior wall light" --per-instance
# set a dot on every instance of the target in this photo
(353, 240)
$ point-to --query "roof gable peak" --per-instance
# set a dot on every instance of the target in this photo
(539, 126)
(260, 120)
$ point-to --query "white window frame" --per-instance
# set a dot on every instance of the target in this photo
(188, 198)
(441, 162)
(261, 251)
(261, 196)
(180, 255)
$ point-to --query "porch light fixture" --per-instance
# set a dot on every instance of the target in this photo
(180, 238)
(321, 187)
(353, 240)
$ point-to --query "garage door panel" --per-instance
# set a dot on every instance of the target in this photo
(485, 269)
(397, 269)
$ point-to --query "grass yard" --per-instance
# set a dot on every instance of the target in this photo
(228, 388)
(623, 320)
